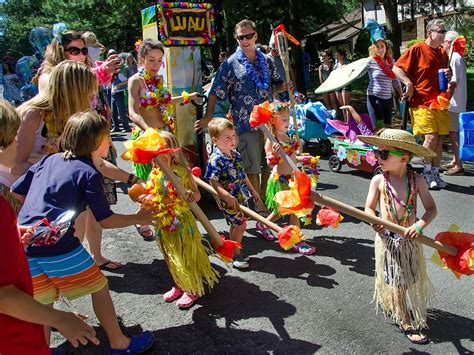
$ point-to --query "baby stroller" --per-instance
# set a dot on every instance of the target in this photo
(350, 151)
(311, 121)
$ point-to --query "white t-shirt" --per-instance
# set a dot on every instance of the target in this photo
(459, 100)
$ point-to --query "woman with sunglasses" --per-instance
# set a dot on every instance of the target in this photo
(402, 286)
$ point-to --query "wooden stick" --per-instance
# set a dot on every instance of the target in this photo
(364, 216)
(197, 211)
(245, 209)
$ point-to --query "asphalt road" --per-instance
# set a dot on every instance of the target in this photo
(285, 302)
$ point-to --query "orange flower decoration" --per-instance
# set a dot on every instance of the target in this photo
(261, 114)
(289, 236)
(328, 216)
(143, 149)
(226, 250)
(463, 262)
(440, 103)
(296, 200)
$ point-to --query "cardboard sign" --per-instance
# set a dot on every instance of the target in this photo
(186, 24)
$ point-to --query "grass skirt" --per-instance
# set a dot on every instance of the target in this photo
(187, 257)
(401, 279)
(141, 170)
(276, 183)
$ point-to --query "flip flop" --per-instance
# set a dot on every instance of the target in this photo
(454, 171)
(413, 331)
(106, 265)
(146, 232)
(138, 344)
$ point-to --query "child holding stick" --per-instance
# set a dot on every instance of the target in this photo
(226, 175)
(177, 234)
(69, 181)
(281, 172)
(402, 286)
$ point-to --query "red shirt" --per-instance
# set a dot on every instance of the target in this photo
(16, 336)
(421, 63)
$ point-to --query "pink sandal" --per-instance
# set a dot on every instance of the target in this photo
(173, 294)
(264, 231)
(304, 249)
(186, 301)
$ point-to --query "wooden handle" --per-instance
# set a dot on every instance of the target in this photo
(245, 209)
(272, 139)
(364, 216)
(197, 211)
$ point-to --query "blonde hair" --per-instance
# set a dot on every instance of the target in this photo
(9, 123)
(217, 125)
(276, 107)
(373, 50)
(55, 52)
(83, 134)
(172, 143)
(71, 86)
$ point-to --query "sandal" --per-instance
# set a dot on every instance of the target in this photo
(146, 232)
(186, 301)
(108, 265)
(448, 166)
(264, 231)
(173, 294)
(454, 171)
(138, 344)
(410, 332)
(304, 249)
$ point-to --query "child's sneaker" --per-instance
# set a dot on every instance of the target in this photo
(430, 180)
(173, 294)
(138, 344)
(440, 182)
(240, 263)
(264, 231)
(304, 249)
(186, 301)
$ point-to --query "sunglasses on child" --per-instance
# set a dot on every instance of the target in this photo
(384, 154)
(247, 36)
(76, 50)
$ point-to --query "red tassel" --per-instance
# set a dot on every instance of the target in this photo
(226, 250)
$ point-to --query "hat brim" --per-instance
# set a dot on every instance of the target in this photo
(413, 148)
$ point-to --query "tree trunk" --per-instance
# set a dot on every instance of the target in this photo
(393, 27)
(296, 52)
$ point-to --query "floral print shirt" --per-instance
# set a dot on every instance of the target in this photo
(233, 82)
(229, 172)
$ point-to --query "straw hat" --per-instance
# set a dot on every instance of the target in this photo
(399, 139)
(90, 39)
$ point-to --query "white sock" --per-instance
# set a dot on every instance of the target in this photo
(435, 170)
(427, 168)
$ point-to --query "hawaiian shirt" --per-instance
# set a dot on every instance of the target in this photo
(233, 82)
(229, 172)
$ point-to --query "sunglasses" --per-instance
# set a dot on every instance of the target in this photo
(76, 50)
(440, 31)
(384, 154)
(247, 36)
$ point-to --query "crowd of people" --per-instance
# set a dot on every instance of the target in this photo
(66, 161)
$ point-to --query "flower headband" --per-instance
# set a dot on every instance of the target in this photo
(59, 30)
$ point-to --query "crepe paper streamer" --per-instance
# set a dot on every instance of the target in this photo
(261, 114)
(370, 158)
(281, 28)
(459, 45)
(226, 250)
(440, 103)
(296, 200)
(147, 146)
(463, 262)
(328, 217)
(136, 191)
(289, 236)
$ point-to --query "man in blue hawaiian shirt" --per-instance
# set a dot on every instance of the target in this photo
(247, 78)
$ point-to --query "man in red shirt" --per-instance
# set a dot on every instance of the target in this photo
(418, 69)
(21, 317)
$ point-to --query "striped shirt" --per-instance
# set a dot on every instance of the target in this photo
(380, 84)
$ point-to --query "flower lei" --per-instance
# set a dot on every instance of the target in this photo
(157, 96)
(263, 84)
(169, 206)
(386, 69)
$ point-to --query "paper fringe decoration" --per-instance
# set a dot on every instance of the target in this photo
(281, 28)
(226, 250)
(296, 200)
(328, 216)
(261, 114)
(289, 236)
(440, 103)
(146, 147)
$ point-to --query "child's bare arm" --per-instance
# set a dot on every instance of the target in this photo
(253, 192)
(372, 200)
(194, 190)
(224, 195)
(353, 112)
(427, 201)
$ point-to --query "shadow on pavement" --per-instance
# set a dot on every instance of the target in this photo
(357, 253)
(448, 327)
